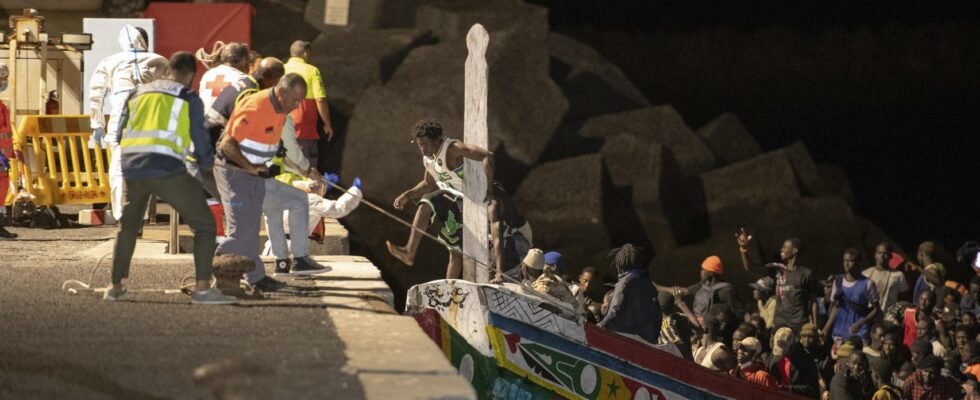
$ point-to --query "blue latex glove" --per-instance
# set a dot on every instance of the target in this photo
(331, 177)
(97, 136)
(357, 183)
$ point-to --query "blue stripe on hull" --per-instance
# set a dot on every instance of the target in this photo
(601, 359)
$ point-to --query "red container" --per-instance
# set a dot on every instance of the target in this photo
(219, 217)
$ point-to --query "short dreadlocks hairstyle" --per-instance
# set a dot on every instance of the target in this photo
(429, 128)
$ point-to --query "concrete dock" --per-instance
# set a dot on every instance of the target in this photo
(333, 335)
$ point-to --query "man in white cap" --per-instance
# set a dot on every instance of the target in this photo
(749, 367)
(532, 266)
(113, 80)
(6, 151)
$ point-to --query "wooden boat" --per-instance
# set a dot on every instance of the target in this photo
(511, 344)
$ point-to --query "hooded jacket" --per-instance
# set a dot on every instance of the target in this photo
(118, 75)
(634, 307)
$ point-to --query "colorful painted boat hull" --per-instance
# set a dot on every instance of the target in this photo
(511, 345)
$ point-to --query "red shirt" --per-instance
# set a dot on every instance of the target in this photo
(942, 388)
(756, 374)
(784, 366)
(908, 323)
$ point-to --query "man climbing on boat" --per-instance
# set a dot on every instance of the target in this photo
(440, 195)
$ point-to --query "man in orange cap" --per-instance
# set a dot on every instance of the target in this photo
(712, 289)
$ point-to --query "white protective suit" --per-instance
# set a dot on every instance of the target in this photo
(114, 79)
(323, 208)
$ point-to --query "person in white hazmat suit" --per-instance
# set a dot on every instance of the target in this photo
(112, 82)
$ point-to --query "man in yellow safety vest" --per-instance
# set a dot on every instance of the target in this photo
(162, 128)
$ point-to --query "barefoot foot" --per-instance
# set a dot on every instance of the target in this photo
(400, 253)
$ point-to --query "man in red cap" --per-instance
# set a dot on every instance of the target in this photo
(712, 289)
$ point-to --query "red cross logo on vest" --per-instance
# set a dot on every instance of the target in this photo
(217, 85)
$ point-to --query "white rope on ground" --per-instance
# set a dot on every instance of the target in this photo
(74, 286)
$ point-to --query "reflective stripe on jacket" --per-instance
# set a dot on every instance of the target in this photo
(159, 123)
(162, 130)
(256, 124)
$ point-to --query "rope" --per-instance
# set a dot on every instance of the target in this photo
(212, 59)
(185, 287)
(544, 296)
(74, 286)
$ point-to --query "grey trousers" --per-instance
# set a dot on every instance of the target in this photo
(241, 195)
(278, 198)
(184, 194)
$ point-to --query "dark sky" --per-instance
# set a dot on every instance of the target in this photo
(689, 15)
(910, 144)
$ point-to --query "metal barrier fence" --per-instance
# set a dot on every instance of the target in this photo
(57, 166)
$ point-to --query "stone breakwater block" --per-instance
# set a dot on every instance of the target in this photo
(563, 201)
(592, 84)
(659, 124)
(91, 217)
(729, 140)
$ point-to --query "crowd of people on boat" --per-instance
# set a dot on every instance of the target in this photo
(899, 329)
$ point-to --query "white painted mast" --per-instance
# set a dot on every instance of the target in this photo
(475, 221)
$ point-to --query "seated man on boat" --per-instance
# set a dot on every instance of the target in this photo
(440, 195)
(633, 306)
(712, 352)
(552, 284)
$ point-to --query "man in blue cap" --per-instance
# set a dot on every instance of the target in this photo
(553, 260)
(551, 282)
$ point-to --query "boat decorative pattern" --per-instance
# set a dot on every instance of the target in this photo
(575, 371)
(459, 304)
(518, 307)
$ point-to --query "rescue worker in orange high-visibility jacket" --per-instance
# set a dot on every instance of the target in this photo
(245, 152)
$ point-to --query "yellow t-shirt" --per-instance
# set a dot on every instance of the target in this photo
(310, 74)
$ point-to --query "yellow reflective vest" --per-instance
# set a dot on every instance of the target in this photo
(159, 123)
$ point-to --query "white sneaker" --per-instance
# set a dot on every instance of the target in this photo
(113, 294)
(212, 296)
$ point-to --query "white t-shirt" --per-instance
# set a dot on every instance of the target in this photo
(890, 284)
(215, 80)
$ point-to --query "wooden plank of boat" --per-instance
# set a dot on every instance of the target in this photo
(488, 379)
(610, 366)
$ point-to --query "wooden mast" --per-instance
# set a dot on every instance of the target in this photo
(475, 221)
